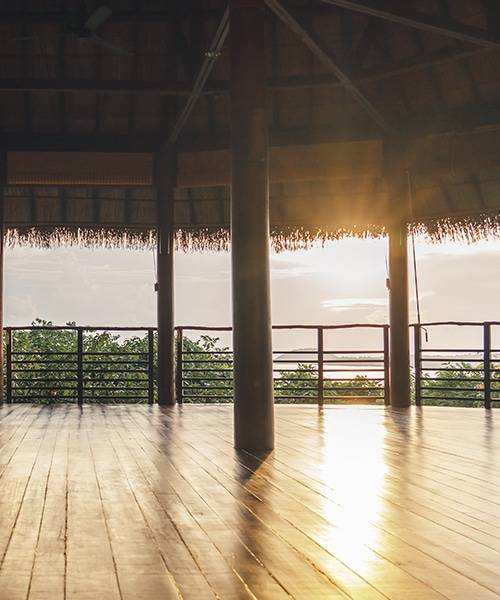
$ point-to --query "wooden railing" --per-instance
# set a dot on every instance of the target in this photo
(458, 374)
(72, 369)
(77, 369)
(322, 374)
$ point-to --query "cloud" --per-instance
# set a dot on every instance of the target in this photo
(196, 279)
(349, 304)
(21, 310)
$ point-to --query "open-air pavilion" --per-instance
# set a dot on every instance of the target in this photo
(247, 125)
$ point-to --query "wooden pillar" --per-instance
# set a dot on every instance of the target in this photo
(399, 345)
(164, 176)
(3, 182)
(252, 340)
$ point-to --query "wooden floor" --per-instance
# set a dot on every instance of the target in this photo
(135, 502)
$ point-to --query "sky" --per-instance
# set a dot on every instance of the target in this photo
(340, 282)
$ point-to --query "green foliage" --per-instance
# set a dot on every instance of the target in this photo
(115, 368)
(41, 376)
(45, 365)
(460, 384)
(207, 371)
(300, 385)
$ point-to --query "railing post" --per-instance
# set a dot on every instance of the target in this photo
(79, 353)
(417, 351)
(151, 369)
(321, 359)
(178, 365)
(487, 364)
(387, 378)
(9, 365)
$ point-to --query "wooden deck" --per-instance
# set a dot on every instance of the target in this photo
(135, 502)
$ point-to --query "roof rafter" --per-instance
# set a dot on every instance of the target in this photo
(327, 61)
(433, 24)
(211, 56)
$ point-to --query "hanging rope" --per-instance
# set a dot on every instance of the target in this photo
(414, 256)
(155, 270)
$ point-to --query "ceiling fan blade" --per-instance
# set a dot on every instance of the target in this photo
(97, 18)
(105, 44)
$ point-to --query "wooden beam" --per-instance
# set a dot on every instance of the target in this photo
(3, 179)
(252, 339)
(328, 61)
(61, 142)
(79, 168)
(174, 11)
(216, 88)
(348, 160)
(458, 153)
(404, 15)
(94, 86)
(51, 17)
(165, 184)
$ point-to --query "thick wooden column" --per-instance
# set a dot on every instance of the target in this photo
(165, 184)
(253, 375)
(399, 345)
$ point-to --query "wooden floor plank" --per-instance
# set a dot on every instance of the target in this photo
(138, 503)
(49, 566)
(33, 470)
(90, 566)
(141, 572)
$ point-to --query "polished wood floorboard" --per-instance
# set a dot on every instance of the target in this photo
(142, 503)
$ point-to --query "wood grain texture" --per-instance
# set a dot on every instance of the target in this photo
(138, 502)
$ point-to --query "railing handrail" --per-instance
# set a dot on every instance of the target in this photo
(282, 327)
(456, 323)
(74, 328)
(229, 328)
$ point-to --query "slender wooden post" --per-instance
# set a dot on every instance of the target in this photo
(165, 173)
(179, 365)
(399, 346)
(487, 364)
(417, 351)
(321, 359)
(3, 181)
(252, 339)
(79, 354)
(387, 371)
(151, 366)
(8, 361)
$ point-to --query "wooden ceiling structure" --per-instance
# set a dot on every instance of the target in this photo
(133, 123)
(357, 90)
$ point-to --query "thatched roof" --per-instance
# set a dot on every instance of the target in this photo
(438, 93)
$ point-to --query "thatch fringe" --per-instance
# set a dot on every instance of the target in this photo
(84, 237)
(467, 229)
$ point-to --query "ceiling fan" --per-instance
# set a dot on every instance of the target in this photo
(85, 29)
